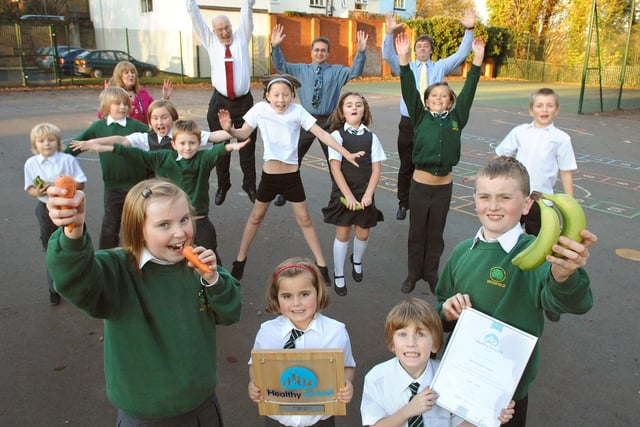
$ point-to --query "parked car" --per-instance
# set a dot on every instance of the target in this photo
(45, 56)
(67, 62)
(100, 63)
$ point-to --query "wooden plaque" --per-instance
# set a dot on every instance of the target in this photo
(299, 381)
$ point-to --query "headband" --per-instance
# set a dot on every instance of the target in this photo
(281, 80)
(290, 266)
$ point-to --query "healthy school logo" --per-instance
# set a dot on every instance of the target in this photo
(298, 383)
(497, 277)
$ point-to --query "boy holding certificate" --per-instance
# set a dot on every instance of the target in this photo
(479, 272)
(396, 392)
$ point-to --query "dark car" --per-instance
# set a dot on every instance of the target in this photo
(100, 63)
(67, 62)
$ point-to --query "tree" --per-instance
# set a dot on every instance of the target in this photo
(450, 8)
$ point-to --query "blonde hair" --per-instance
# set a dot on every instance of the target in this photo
(418, 312)
(184, 126)
(543, 91)
(163, 103)
(134, 211)
(113, 95)
(120, 68)
(293, 267)
(44, 130)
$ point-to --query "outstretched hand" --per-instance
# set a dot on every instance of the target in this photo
(277, 35)
(167, 89)
(236, 146)
(224, 117)
(392, 24)
(362, 38)
(469, 18)
(573, 255)
(64, 211)
(353, 158)
(403, 47)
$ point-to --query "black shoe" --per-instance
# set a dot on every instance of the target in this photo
(401, 214)
(54, 298)
(280, 201)
(325, 274)
(356, 276)
(407, 286)
(220, 196)
(251, 192)
(552, 316)
(340, 290)
(237, 270)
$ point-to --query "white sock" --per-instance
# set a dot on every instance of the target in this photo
(339, 255)
(359, 246)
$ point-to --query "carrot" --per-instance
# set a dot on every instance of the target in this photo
(69, 184)
(192, 257)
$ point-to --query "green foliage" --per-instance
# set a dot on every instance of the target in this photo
(447, 35)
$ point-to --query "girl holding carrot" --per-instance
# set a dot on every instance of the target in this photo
(148, 296)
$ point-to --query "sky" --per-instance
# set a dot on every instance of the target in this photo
(482, 10)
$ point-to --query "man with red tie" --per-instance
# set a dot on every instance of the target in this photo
(231, 78)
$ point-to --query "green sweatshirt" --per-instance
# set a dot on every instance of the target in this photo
(117, 173)
(501, 290)
(436, 141)
(159, 348)
(192, 175)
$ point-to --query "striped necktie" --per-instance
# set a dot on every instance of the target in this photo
(291, 342)
(417, 420)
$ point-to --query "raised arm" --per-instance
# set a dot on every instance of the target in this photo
(225, 122)
(99, 145)
(403, 47)
(326, 138)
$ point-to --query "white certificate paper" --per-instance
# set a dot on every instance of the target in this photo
(481, 367)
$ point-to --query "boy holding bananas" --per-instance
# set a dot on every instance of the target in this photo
(480, 273)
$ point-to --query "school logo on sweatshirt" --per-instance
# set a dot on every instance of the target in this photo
(497, 277)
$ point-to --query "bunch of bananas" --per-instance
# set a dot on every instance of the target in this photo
(573, 222)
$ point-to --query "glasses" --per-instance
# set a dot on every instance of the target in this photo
(317, 87)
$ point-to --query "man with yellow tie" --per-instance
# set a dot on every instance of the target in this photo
(426, 73)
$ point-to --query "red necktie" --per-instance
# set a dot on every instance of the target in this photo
(228, 67)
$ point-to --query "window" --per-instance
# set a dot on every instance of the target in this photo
(399, 4)
(317, 3)
(146, 6)
(361, 5)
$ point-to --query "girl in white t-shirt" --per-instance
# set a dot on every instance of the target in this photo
(280, 121)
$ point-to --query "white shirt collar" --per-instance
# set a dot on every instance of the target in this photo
(288, 325)
(360, 129)
(122, 122)
(148, 257)
(403, 379)
(507, 240)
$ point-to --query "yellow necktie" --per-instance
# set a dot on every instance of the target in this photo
(424, 81)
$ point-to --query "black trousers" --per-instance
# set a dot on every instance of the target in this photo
(110, 231)
(206, 236)
(207, 414)
(306, 139)
(405, 150)
(428, 209)
(47, 227)
(237, 107)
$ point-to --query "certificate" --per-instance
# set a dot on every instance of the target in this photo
(481, 367)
